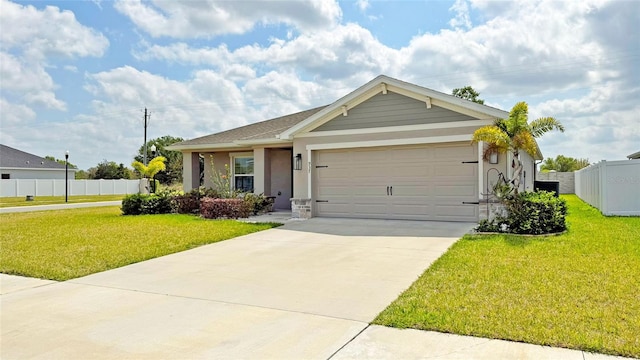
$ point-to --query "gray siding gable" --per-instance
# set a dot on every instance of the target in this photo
(391, 109)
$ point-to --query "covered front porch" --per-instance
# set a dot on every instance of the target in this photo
(263, 170)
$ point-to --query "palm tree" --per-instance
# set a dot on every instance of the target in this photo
(515, 134)
(149, 171)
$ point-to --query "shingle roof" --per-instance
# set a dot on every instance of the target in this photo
(267, 129)
(14, 158)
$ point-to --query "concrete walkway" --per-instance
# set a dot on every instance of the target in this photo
(307, 290)
(29, 208)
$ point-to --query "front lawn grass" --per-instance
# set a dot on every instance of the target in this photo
(50, 200)
(65, 244)
(578, 290)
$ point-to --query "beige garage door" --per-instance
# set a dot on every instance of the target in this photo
(425, 182)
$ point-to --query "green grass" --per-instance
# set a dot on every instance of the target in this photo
(49, 200)
(578, 290)
(66, 244)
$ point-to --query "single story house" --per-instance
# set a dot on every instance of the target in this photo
(17, 164)
(387, 150)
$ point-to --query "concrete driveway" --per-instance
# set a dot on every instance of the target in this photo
(303, 290)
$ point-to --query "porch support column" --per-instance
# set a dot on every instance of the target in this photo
(190, 171)
(261, 171)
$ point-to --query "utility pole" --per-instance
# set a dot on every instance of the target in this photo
(144, 156)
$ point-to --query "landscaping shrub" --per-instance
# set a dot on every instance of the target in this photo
(189, 203)
(186, 204)
(211, 208)
(140, 204)
(258, 203)
(156, 204)
(533, 213)
(132, 204)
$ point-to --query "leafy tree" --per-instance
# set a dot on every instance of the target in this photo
(109, 170)
(467, 93)
(59, 161)
(82, 175)
(563, 164)
(515, 134)
(173, 170)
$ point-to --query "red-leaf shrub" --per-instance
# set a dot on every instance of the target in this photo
(186, 204)
(224, 208)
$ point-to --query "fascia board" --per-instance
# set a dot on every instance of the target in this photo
(203, 147)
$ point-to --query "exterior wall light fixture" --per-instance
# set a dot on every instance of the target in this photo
(297, 162)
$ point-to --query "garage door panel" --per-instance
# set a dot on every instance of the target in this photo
(429, 182)
(465, 192)
(456, 213)
(404, 210)
(421, 193)
(334, 208)
(462, 170)
(379, 209)
(410, 169)
(453, 153)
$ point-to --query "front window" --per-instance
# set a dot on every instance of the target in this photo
(243, 173)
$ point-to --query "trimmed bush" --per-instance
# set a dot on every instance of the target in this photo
(189, 203)
(534, 213)
(132, 204)
(211, 208)
(258, 203)
(186, 204)
(539, 212)
(139, 204)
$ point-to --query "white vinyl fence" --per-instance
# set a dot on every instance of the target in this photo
(611, 186)
(54, 187)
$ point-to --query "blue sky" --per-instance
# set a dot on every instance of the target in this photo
(77, 75)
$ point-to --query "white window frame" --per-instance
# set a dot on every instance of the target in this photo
(233, 157)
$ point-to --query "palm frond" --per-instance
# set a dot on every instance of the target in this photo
(539, 127)
(492, 134)
(525, 141)
(155, 166)
(518, 118)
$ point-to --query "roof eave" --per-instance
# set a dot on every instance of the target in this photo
(234, 144)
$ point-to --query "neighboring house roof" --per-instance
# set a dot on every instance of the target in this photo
(260, 132)
(17, 159)
(635, 155)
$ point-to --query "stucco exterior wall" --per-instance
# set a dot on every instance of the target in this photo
(219, 160)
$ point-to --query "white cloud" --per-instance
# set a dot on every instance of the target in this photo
(363, 5)
(29, 37)
(41, 33)
(191, 19)
(462, 18)
(15, 114)
(347, 53)
(29, 81)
